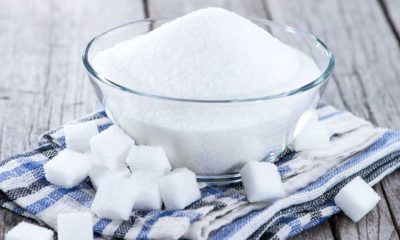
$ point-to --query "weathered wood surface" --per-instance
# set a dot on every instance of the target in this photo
(43, 82)
(366, 78)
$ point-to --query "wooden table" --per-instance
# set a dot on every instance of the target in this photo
(43, 83)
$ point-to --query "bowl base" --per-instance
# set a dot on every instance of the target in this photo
(235, 177)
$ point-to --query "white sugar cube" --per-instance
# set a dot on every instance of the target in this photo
(27, 231)
(77, 225)
(314, 136)
(67, 169)
(99, 173)
(111, 147)
(148, 158)
(147, 175)
(179, 189)
(356, 199)
(148, 197)
(77, 136)
(262, 182)
(114, 199)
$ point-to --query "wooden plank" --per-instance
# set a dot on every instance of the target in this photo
(391, 190)
(365, 79)
(320, 232)
(365, 50)
(391, 184)
(376, 225)
(43, 81)
(245, 8)
(391, 9)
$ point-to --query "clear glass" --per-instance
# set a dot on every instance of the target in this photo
(242, 130)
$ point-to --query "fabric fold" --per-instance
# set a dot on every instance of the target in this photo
(310, 178)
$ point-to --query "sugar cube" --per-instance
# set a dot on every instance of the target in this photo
(114, 199)
(111, 147)
(27, 231)
(262, 182)
(78, 225)
(148, 197)
(356, 199)
(77, 136)
(179, 189)
(147, 175)
(148, 158)
(314, 136)
(67, 169)
(99, 173)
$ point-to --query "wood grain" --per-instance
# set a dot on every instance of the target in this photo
(376, 225)
(365, 80)
(354, 30)
(392, 9)
(43, 82)
(253, 8)
(391, 184)
(320, 232)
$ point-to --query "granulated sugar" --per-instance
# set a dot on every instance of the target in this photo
(210, 54)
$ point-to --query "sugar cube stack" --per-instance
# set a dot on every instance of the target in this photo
(114, 199)
(27, 231)
(179, 189)
(74, 226)
(148, 158)
(111, 147)
(356, 199)
(262, 182)
(99, 173)
(67, 169)
(314, 136)
(78, 135)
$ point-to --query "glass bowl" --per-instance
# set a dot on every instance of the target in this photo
(219, 136)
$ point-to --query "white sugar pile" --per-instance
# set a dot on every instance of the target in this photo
(208, 54)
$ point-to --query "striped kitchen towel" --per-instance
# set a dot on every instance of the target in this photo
(311, 179)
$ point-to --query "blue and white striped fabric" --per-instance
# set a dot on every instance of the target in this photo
(222, 212)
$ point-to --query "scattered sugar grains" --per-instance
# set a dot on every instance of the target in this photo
(27, 231)
(208, 54)
(76, 225)
(67, 169)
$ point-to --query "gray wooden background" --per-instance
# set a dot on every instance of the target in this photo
(43, 83)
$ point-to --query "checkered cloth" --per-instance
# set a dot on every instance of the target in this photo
(358, 149)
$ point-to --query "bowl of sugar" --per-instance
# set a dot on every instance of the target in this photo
(214, 89)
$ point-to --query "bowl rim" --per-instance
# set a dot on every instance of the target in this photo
(316, 82)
